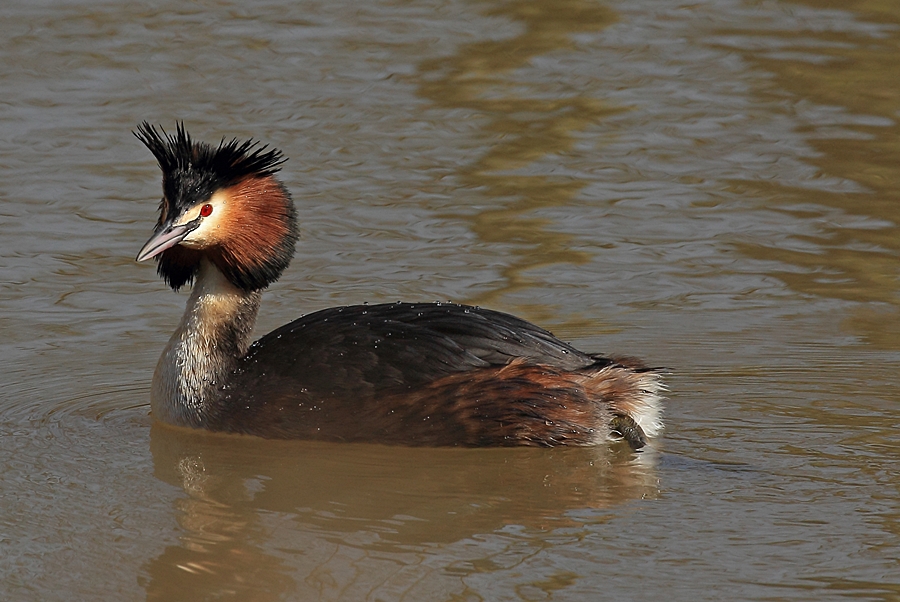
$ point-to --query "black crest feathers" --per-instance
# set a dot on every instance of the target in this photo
(230, 162)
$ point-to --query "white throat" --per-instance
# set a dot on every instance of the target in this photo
(196, 363)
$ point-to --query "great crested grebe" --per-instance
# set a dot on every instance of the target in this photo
(401, 373)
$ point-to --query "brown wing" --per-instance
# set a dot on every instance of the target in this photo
(366, 349)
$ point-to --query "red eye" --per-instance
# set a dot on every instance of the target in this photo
(206, 210)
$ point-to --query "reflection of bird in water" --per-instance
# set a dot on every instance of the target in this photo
(275, 520)
(402, 373)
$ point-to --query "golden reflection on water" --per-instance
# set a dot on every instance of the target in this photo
(848, 261)
(519, 130)
(854, 251)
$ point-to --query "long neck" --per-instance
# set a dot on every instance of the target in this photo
(213, 334)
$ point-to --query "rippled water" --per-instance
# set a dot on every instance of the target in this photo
(710, 185)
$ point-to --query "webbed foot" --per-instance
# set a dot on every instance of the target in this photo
(630, 430)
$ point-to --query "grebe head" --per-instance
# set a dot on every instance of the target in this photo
(223, 203)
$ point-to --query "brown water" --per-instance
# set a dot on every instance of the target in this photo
(714, 186)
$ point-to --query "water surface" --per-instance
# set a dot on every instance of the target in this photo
(711, 185)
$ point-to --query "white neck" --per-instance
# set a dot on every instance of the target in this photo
(213, 334)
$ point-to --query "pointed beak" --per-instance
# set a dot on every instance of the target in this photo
(164, 238)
